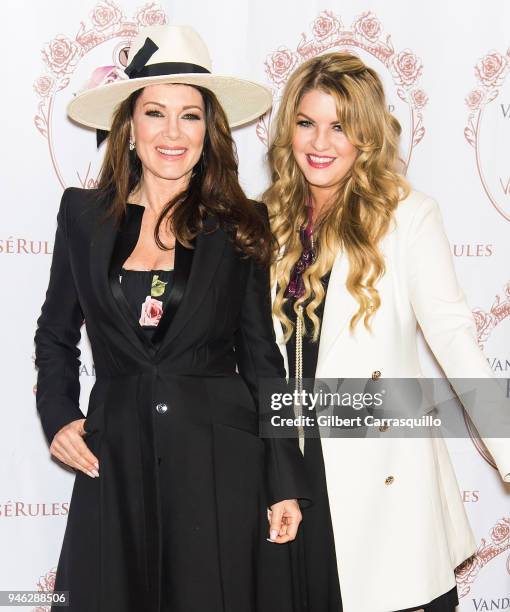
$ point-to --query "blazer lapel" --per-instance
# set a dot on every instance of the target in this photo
(339, 307)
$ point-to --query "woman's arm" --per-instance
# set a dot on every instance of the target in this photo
(56, 337)
(444, 316)
(259, 358)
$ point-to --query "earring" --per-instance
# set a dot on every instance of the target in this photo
(132, 145)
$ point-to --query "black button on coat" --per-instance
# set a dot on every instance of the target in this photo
(214, 342)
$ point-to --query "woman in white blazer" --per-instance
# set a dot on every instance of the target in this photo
(362, 258)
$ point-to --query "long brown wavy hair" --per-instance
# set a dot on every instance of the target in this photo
(364, 202)
(213, 187)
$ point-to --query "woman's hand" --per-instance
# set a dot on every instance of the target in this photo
(284, 518)
(68, 446)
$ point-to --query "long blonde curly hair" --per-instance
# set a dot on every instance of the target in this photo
(364, 201)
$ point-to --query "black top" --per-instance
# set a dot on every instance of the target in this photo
(147, 292)
(310, 348)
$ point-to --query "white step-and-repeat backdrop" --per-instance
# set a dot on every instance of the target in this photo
(446, 70)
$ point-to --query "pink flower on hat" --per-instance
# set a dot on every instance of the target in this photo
(104, 75)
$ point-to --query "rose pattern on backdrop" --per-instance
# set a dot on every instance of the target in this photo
(487, 321)
(491, 547)
(45, 584)
(366, 33)
(106, 16)
(490, 72)
(63, 54)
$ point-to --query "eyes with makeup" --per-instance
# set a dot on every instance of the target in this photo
(190, 116)
(306, 123)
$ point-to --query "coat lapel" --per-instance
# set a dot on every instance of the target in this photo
(209, 247)
(194, 271)
(124, 243)
(102, 255)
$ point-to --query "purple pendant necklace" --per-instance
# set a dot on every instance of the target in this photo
(296, 286)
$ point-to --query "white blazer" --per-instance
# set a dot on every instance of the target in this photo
(398, 540)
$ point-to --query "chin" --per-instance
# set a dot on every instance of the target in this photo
(317, 181)
(171, 175)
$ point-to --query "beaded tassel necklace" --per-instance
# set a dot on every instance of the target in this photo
(296, 289)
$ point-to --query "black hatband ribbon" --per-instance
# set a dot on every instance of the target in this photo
(141, 57)
(138, 68)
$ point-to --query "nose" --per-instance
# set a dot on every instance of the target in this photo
(320, 140)
(172, 127)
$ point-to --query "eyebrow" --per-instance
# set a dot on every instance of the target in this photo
(183, 108)
(310, 119)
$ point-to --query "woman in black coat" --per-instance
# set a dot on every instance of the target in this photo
(169, 509)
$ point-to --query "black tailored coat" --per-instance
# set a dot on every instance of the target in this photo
(213, 343)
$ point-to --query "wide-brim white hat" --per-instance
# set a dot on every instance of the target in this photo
(170, 54)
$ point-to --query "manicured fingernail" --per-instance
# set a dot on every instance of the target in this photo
(273, 534)
(269, 540)
(90, 473)
(97, 465)
(95, 472)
